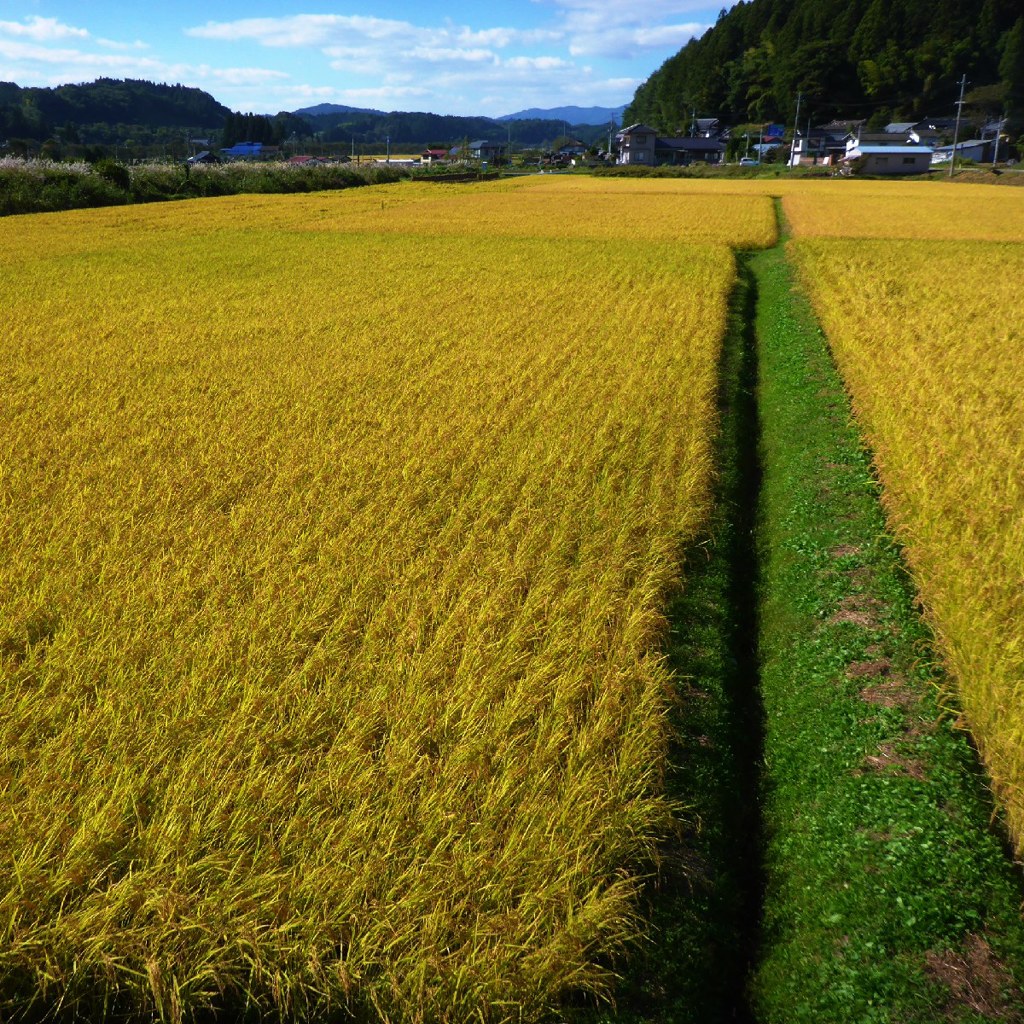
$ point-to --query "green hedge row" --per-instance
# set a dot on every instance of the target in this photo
(43, 186)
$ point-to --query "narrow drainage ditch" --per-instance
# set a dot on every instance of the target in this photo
(706, 904)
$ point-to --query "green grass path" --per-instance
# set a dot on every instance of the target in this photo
(887, 898)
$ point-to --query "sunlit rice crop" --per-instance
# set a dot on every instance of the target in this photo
(937, 210)
(331, 574)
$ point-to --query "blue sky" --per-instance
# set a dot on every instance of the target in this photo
(488, 58)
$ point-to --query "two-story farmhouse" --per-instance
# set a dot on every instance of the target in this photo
(640, 144)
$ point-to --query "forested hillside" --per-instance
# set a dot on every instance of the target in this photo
(421, 128)
(138, 114)
(879, 59)
(91, 110)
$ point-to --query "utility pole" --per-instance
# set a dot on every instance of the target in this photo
(956, 130)
(796, 128)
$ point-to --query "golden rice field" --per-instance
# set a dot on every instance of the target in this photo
(552, 207)
(335, 535)
(930, 341)
(910, 210)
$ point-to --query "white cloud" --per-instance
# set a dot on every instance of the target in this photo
(631, 41)
(445, 54)
(49, 66)
(605, 28)
(668, 35)
(537, 63)
(113, 44)
(242, 76)
(505, 37)
(646, 11)
(83, 63)
(392, 51)
(312, 30)
(41, 30)
(326, 31)
(381, 93)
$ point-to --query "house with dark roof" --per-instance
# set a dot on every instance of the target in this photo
(640, 144)
(843, 127)
(707, 128)
(572, 147)
(689, 151)
(943, 125)
(481, 149)
(636, 145)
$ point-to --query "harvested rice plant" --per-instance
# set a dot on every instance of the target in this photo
(336, 536)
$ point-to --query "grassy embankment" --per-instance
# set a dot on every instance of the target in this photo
(888, 897)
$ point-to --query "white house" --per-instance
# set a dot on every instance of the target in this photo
(891, 159)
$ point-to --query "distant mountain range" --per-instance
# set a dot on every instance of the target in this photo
(115, 112)
(334, 122)
(571, 115)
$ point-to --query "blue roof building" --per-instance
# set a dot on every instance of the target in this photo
(244, 149)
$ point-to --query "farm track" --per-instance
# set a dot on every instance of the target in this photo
(888, 895)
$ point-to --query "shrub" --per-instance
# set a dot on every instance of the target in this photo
(114, 172)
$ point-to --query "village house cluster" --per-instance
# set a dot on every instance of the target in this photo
(903, 147)
(910, 147)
